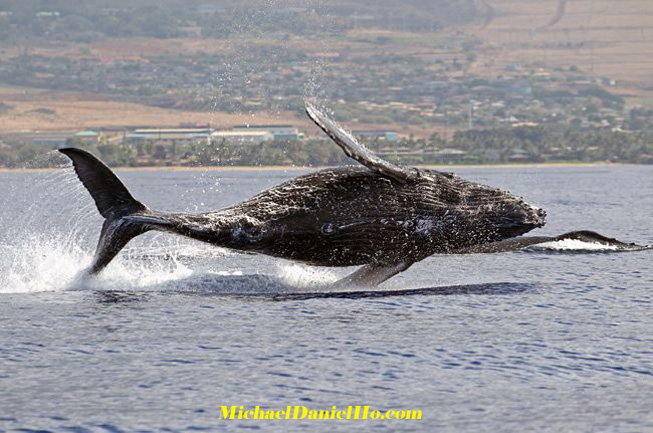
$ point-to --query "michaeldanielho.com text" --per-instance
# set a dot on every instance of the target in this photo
(302, 412)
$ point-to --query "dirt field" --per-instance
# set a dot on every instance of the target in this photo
(33, 110)
(42, 110)
(38, 110)
(602, 37)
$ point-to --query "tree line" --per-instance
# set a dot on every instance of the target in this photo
(530, 144)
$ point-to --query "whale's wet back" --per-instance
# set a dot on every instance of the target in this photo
(351, 216)
(383, 216)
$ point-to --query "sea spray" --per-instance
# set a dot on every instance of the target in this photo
(575, 245)
(48, 230)
(40, 262)
(304, 277)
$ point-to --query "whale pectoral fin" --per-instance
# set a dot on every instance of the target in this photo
(584, 236)
(597, 238)
(357, 151)
(373, 274)
(512, 244)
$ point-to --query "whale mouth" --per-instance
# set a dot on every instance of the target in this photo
(533, 217)
(541, 217)
(520, 221)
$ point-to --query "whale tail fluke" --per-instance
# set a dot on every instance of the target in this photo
(114, 202)
(110, 195)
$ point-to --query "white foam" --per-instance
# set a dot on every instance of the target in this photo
(42, 263)
(304, 277)
(58, 262)
(47, 241)
(575, 245)
(125, 274)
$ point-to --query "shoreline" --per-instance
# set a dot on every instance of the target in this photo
(441, 167)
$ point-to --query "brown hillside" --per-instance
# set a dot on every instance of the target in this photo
(602, 37)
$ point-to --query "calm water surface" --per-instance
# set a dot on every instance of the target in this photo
(547, 341)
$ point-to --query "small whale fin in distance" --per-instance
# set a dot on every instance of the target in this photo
(597, 238)
(113, 201)
(586, 236)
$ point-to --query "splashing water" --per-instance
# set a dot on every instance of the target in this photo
(48, 230)
(47, 241)
(49, 226)
(39, 263)
(575, 245)
(302, 277)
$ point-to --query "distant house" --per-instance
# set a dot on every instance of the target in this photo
(520, 155)
(645, 159)
(426, 106)
(326, 54)
(448, 155)
(177, 135)
(88, 137)
(279, 132)
(48, 14)
(57, 139)
(385, 135)
(242, 137)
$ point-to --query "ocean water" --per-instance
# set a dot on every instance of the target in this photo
(556, 339)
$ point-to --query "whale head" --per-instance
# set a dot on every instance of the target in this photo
(500, 215)
(518, 217)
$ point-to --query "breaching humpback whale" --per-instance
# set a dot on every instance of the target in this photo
(381, 216)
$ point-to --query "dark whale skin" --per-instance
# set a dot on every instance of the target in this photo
(352, 216)
(380, 215)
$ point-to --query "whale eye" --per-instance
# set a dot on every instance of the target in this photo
(248, 232)
(252, 232)
(328, 228)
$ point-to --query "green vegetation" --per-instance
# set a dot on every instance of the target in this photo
(540, 144)
(379, 62)
(522, 144)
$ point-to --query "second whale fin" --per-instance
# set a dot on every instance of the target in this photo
(357, 151)
(584, 236)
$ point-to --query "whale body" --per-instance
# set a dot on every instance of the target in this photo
(378, 215)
